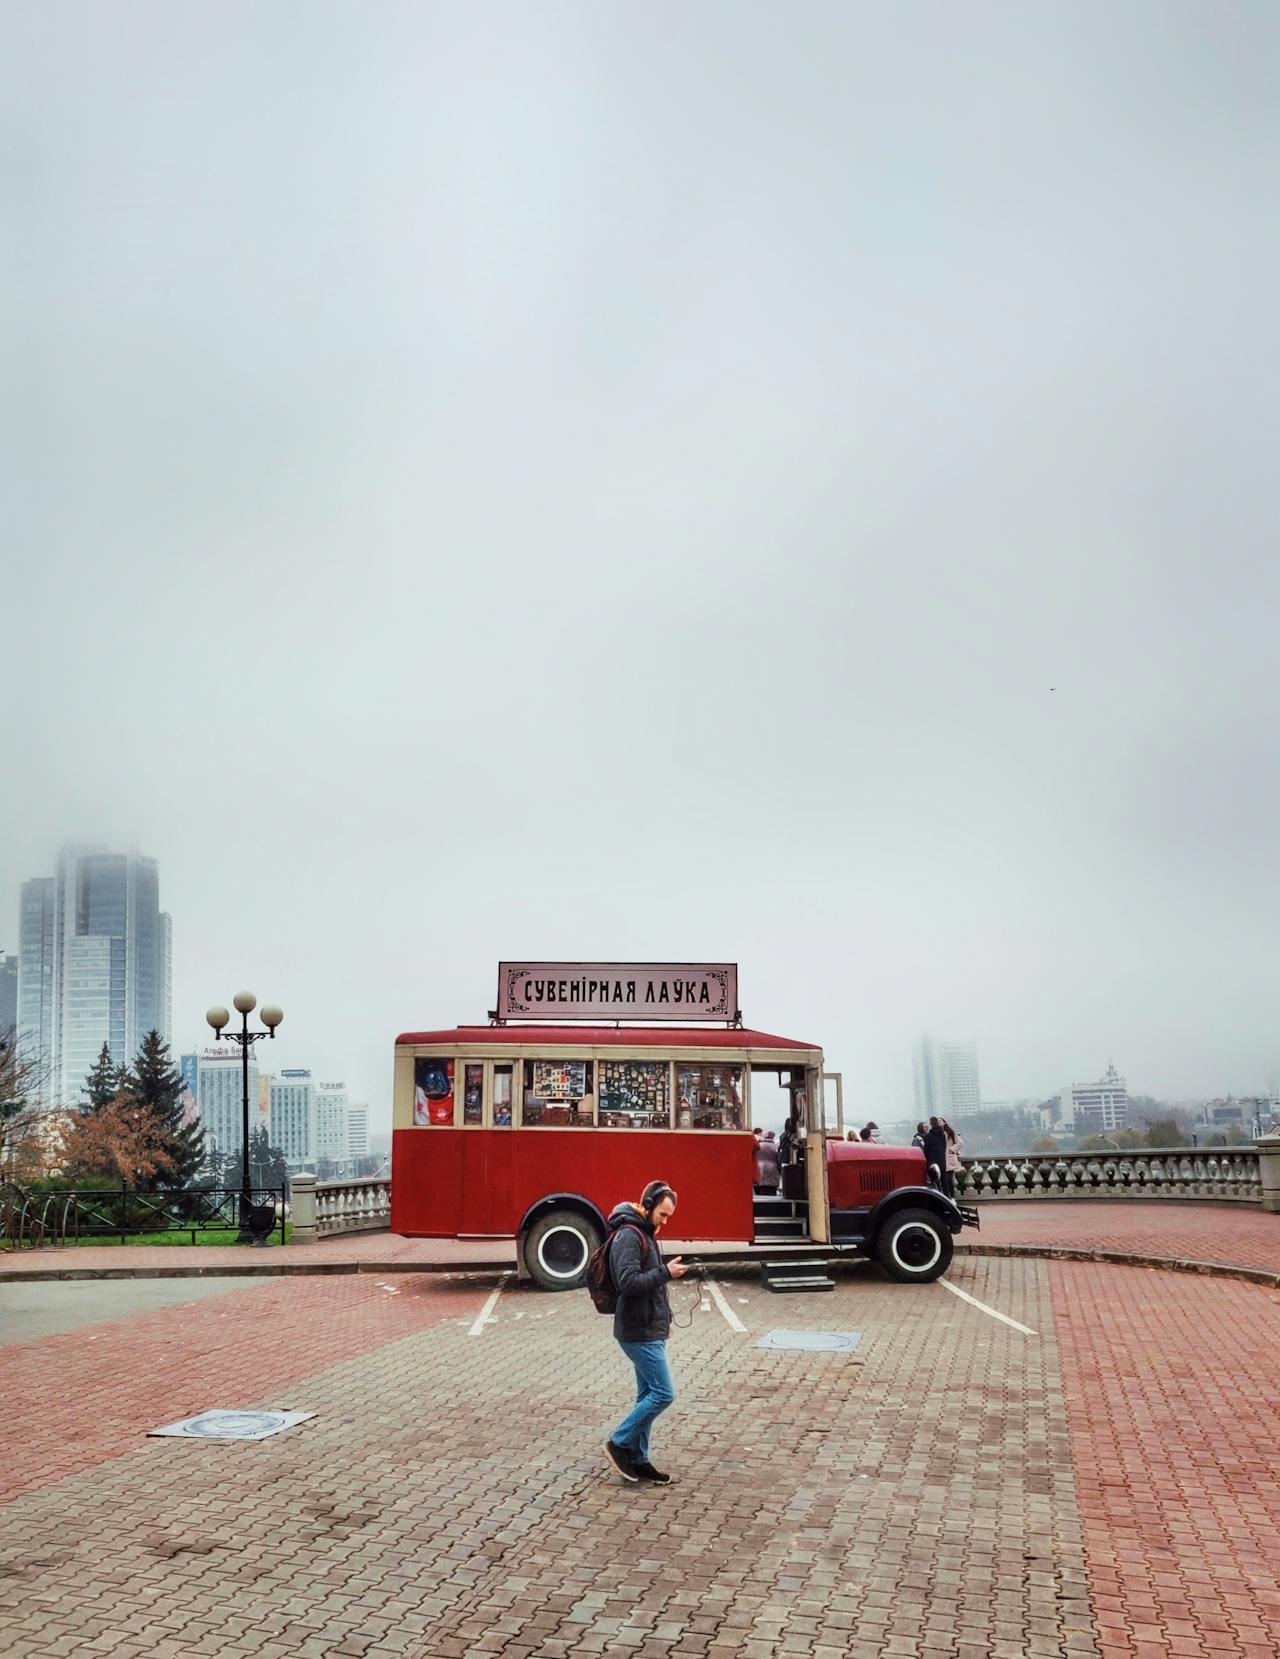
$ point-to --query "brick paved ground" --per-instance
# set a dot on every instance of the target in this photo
(957, 1488)
(1222, 1233)
(1172, 1404)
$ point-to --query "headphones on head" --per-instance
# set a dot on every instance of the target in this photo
(653, 1195)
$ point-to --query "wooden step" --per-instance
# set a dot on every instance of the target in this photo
(767, 1232)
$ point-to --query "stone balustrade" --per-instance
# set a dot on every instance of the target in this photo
(1230, 1173)
(353, 1206)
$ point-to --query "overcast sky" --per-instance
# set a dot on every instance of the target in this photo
(786, 484)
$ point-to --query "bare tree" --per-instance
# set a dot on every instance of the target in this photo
(29, 1129)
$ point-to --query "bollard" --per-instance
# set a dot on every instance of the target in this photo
(1268, 1147)
(302, 1208)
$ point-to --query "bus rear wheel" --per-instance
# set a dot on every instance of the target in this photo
(914, 1247)
(556, 1249)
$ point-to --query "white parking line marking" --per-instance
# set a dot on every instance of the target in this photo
(731, 1318)
(485, 1316)
(974, 1302)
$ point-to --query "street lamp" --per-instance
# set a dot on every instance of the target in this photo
(244, 1003)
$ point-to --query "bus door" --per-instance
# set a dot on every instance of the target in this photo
(833, 1103)
(816, 1155)
(486, 1172)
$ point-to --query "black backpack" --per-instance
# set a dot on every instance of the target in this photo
(600, 1286)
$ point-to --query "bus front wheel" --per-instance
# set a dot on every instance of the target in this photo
(556, 1249)
(914, 1247)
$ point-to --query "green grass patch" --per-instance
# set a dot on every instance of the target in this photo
(226, 1236)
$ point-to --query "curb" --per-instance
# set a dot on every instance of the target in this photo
(267, 1270)
(248, 1270)
(1124, 1258)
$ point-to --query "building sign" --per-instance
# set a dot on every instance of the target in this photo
(662, 991)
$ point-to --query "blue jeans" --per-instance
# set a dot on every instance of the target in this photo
(654, 1393)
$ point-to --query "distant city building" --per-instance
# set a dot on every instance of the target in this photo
(1005, 1108)
(331, 1123)
(946, 1077)
(1250, 1114)
(95, 965)
(292, 1107)
(37, 910)
(357, 1131)
(8, 995)
(1097, 1107)
(219, 1095)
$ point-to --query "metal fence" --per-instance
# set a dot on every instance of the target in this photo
(66, 1217)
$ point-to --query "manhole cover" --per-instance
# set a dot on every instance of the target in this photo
(813, 1342)
(234, 1425)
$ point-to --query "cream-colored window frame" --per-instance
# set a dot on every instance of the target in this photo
(515, 1056)
(592, 1060)
(460, 1092)
(457, 1089)
(743, 1066)
(517, 1095)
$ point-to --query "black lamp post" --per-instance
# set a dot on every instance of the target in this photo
(244, 1003)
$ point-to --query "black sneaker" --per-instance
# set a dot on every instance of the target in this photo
(621, 1459)
(655, 1477)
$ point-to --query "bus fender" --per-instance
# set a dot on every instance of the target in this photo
(915, 1198)
(543, 1206)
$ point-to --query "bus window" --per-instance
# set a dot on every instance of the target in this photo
(502, 1096)
(709, 1097)
(433, 1091)
(473, 1094)
(558, 1093)
(633, 1094)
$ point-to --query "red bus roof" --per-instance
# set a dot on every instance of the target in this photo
(602, 1036)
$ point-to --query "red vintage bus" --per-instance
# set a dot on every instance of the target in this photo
(534, 1132)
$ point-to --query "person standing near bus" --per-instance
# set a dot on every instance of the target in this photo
(642, 1323)
(955, 1146)
(935, 1153)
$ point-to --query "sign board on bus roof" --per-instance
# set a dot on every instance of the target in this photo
(555, 991)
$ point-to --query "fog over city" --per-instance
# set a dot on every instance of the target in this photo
(784, 485)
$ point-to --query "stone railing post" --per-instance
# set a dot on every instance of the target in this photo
(302, 1208)
(1269, 1169)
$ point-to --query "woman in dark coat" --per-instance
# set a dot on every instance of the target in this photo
(935, 1153)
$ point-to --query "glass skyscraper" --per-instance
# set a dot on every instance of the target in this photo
(94, 965)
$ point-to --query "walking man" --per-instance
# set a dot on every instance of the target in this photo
(642, 1322)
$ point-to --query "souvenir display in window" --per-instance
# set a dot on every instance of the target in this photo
(558, 1092)
(473, 1095)
(633, 1094)
(502, 1097)
(709, 1097)
(433, 1091)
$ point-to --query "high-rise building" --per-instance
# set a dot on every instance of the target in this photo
(8, 995)
(219, 1092)
(293, 1117)
(36, 979)
(1095, 1107)
(946, 1077)
(331, 1123)
(357, 1131)
(95, 965)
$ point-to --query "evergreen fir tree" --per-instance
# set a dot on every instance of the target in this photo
(104, 1082)
(266, 1162)
(156, 1084)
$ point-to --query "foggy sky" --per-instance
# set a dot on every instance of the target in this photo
(784, 484)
